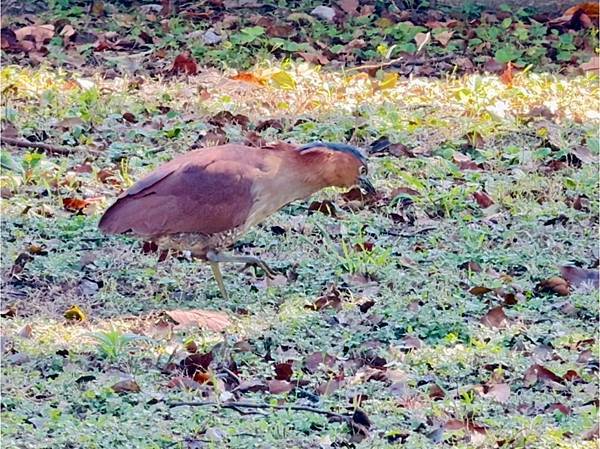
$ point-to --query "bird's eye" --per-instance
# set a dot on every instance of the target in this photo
(363, 170)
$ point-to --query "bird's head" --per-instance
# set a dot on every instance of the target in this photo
(337, 164)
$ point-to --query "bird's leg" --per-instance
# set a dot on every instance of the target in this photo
(219, 278)
(248, 260)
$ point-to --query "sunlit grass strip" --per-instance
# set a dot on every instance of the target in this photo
(314, 91)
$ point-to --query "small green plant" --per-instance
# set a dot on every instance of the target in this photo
(112, 343)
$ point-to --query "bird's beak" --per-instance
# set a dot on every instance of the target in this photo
(366, 185)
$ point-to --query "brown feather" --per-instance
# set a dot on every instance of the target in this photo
(204, 191)
(225, 188)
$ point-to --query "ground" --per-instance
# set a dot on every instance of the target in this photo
(457, 307)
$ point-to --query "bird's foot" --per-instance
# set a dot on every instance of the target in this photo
(259, 264)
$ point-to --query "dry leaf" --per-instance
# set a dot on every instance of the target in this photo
(495, 318)
(74, 313)
(331, 300)
(537, 373)
(483, 199)
(184, 383)
(497, 392)
(207, 319)
(316, 359)
(41, 34)
(422, 39)
(560, 407)
(284, 80)
(325, 207)
(126, 386)
(75, 204)
(389, 80)
(444, 37)
(26, 331)
(279, 386)
(574, 15)
(194, 363)
(349, 6)
(184, 63)
(251, 78)
(556, 285)
(571, 376)
(593, 65)
(283, 371)
(507, 76)
(480, 290)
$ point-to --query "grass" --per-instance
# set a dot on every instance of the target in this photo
(57, 382)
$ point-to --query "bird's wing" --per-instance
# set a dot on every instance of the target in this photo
(184, 195)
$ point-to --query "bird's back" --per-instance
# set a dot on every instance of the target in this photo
(206, 191)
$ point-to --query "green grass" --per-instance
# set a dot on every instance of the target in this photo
(57, 382)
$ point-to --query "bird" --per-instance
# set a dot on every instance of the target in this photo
(204, 200)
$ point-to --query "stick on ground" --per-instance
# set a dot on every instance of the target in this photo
(46, 147)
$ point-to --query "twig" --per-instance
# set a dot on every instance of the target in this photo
(46, 147)
(401, 59)
(240, 405)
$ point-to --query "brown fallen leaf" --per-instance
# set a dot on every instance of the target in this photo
(126, 386)
(422, 39)
(571, 376)
(507, 76)
(26, 331)
(412, 342)
(279, 386)
(41, 35)
(349, 6)
(184, 383)
(444, 37)
(593, 65)
(580, 276)
(316, 359)
(9, 312)
(9, 41)
(184, 63)
(252, 385)
(582, 13)
(202, 377)
(331, 299)
(283, 371)
(498, 392)
(314, 57)
(251, 78)
(565, 410)
(19, 264)
(191, 347)
(468, 426)
(326, 207)
(537, 373)
(556, 285)
(436, 392)
(194, 363)
(75, 204)
(495, 318)
(480, 290)
(483, 199)
(206, 319)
